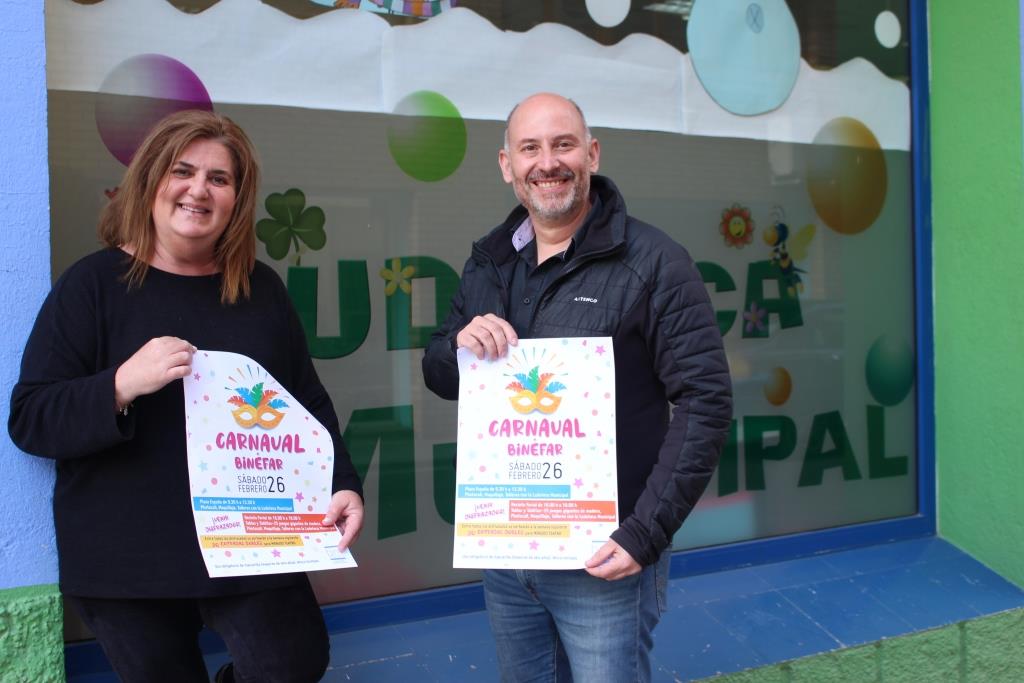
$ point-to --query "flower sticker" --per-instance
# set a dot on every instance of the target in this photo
(755, 317)
(397, 277)
(736, 226)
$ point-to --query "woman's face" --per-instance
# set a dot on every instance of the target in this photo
(194, 202)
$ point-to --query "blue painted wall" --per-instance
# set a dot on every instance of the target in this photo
(27, 552)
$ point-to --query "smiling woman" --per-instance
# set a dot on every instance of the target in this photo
(187, 202)
(192, 209)
(100, 393)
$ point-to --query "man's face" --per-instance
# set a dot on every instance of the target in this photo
(549, 159)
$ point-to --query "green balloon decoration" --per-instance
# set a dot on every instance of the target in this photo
(427, 136)
(889, 370)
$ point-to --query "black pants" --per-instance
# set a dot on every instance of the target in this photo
(273, 636)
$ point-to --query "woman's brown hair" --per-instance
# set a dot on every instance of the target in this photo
(127, 220)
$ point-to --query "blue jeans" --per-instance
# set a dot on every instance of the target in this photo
(565, 625)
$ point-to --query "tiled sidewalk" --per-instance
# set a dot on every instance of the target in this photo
(717, 623)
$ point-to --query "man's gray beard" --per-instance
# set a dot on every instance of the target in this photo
(560, 210)
(548, 212)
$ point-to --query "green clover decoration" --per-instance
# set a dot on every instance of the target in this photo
(291, 222)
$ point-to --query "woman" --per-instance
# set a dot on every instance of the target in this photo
(99, 393)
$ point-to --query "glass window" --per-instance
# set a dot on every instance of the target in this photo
(772, 139)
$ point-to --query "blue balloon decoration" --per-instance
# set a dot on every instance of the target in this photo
(746, 54)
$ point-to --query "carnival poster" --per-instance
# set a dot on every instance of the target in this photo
(260, 471)
(535, 475)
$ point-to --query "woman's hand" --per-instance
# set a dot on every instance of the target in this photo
(159, 362)
(346, 512)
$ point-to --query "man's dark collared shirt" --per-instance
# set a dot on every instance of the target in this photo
(530, 279)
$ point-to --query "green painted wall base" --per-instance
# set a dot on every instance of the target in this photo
(984, 650)
(31, 635)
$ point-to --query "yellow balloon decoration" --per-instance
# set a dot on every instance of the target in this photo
(778, 388)
(846, 176)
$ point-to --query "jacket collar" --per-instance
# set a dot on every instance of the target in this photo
(605, 231)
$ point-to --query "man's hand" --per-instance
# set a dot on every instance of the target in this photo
(345, 511)
(612, 563)
(487, 336)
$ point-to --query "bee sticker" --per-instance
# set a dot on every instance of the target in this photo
(787, 248)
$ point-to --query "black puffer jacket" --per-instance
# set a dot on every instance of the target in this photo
(630, 281)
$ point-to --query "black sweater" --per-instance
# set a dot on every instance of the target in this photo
(632, 282)
(121, 499)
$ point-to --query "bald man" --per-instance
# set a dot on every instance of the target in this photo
(570, 262)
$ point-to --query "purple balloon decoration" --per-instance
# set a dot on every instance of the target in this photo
(139, 92)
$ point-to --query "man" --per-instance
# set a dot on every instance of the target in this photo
(568, 262)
